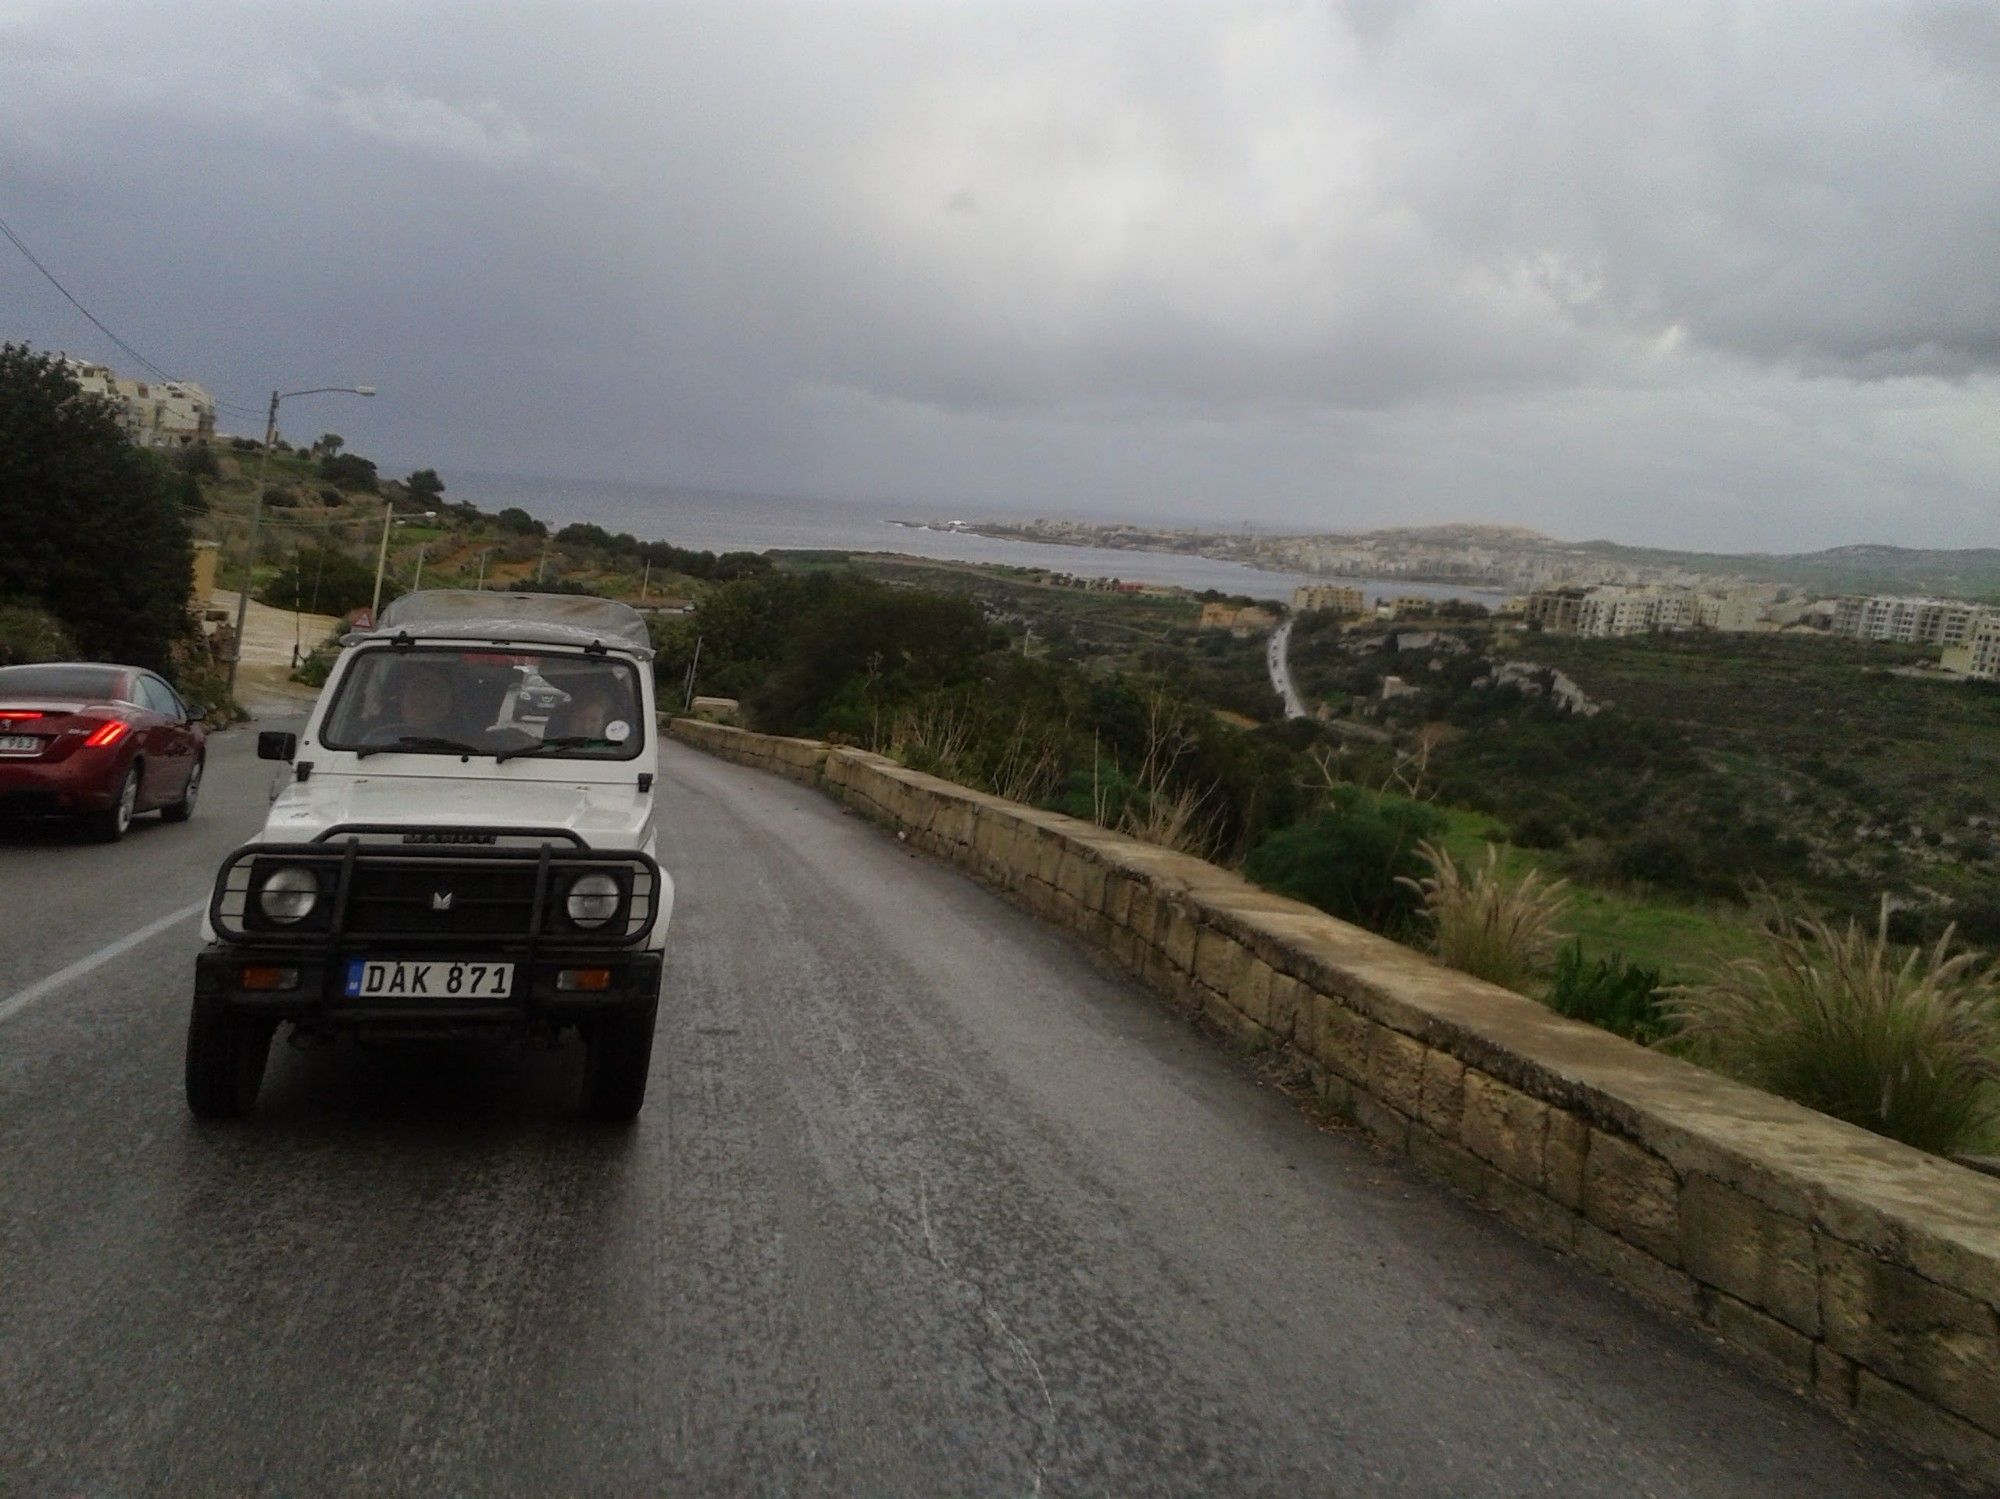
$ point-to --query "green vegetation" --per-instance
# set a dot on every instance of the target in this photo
(92, 529)
(1610, 993)
(1717, 765)
(1484, 921)
(1904, 1042)
(943, 682)
(1358, 857)
(29, 633)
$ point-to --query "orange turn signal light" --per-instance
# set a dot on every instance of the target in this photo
(268, 978)
(584, 980)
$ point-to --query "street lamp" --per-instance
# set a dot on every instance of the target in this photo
(257, 513)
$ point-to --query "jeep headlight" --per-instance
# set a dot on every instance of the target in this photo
(288, 894)
(593, 899)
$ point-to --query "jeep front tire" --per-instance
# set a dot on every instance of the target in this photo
(617, 1058)
(226, 1054)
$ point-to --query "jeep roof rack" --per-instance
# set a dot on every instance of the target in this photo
(511, 619)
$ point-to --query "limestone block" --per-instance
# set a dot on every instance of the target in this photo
(1396, 1070)
(1049, 853)
(1921, 1335)
(1636, 1270)
(1118, 888)
(1922, 1424)
(1738, 1245)
(1215, 959)
(1250, 989)
(1178, 939)
(1441, 1104)
(1504, 1126)
(1289, 1006)
(1563, 1157)
(1449, 1162)
(1145, 914)
(1530, 1212)
(1389, 1128)
(1634, 1194)
(1769, 1342)
(1340, 1038)
(1833, 1377)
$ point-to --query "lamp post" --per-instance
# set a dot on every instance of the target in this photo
(257, 511)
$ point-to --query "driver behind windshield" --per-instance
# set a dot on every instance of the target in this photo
(420, 700)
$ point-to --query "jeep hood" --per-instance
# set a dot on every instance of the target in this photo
(611, 816)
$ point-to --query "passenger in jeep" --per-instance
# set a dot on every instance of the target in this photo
(597, 711)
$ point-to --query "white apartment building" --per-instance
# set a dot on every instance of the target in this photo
(1949, 623)
(158, 413)
(1733, 612)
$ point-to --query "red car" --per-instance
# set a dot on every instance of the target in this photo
(102, 743)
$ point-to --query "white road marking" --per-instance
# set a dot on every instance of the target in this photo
(18, 1001)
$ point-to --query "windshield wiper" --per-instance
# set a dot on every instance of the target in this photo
(543, 746)
(419, 742)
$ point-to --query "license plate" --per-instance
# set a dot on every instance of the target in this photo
(367, 979)
(19, 744)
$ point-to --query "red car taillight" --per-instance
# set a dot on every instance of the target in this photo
(109, 732)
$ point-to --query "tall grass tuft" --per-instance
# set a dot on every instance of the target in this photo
(1486, 924)
(1901, 1041)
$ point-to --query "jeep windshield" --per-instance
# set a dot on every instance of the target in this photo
(501, 702)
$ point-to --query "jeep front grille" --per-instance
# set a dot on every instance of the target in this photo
(386, 894)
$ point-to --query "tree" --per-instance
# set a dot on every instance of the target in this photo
(90, 527)
(517, 521)
(425, 486)
(349, 471)
(330, 443)
(325, 580)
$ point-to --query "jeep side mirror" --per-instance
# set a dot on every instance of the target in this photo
(276, 744)
(196, 713)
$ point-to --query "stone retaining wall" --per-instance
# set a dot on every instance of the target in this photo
(1856, 1269)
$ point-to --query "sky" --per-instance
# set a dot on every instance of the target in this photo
(1680, 273)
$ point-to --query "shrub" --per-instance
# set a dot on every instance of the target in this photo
(199, 460)
(1356, 859)
(1486, 924)
(1611, 994)
(1901, 1041)
(30, 634)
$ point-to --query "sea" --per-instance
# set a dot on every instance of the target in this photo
(710, 520)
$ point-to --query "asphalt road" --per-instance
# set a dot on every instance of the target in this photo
(922, 1203)
(1277, 656)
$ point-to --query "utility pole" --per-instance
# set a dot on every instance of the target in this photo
(542, 572)
(256, 525)
(257, 511)
(382, 558)
(482, 567)
(687, 698)
(645, 581)
(418, 581)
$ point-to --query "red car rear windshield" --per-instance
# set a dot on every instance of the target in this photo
(89, 684)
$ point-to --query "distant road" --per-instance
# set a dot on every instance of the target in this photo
(924, 1202)
(1277, 654)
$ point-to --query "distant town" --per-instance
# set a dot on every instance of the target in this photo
(1592, 589)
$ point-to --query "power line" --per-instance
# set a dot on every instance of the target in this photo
(20, 244)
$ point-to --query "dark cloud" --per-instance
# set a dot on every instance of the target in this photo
(1709, 274)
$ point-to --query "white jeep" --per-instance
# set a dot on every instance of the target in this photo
(464, 844)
